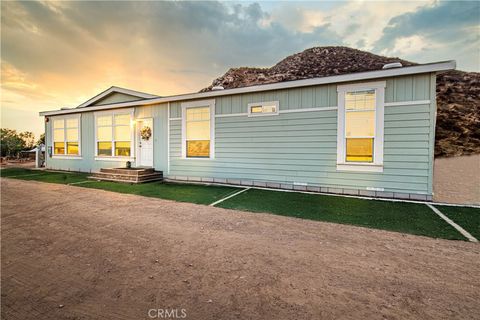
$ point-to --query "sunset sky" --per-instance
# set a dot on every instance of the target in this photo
(59, 54)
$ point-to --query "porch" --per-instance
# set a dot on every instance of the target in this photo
(127, 175)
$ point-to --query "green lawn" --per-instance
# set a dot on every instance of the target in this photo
(179, 192)
(44, 176)
(467, 218)
(9, 172)
(172, 191)
(394, 216)
(403, 217)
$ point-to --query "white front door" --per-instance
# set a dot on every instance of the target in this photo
(145, 145)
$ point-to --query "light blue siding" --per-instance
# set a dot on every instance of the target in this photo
(301, 148)
(289, 148)
(116, 97)
(87, 163)
(408, 88)
(159, 113)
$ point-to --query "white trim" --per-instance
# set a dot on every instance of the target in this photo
(131, 112)
(426, 68)
(174, 119)
(113, 89)
(377, 164)
(406, 103)
(228, 197)
(138, 157)
(309, 109)
(66, 156)
(464, 232)
(266, 114)
(168, 139)
(364, 167)
(231, 115)
(117, 159)
(280, 111)
(78, 116)
(196, 104)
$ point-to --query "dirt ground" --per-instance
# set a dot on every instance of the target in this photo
(457, 180)
(73, 253)
(17, 164)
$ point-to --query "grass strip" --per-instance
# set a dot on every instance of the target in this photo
(199, 194)
(403, 217)
(466, 217)
(193, 193)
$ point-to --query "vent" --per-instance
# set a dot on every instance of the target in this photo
(392, 65)
(65, 108)
(217, 88)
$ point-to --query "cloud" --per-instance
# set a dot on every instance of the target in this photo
(57, 54)
(106, 38)
(350, 20)
(445, 27)
(440, 21)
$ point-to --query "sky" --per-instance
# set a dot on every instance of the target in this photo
(60, 54)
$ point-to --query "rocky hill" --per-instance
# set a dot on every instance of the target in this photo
(458, 92)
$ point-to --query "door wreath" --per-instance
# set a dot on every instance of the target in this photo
(146, 133)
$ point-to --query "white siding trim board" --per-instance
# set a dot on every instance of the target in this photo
(77, 116)
(377, 165)
(193, 104)
(131, 112)
(168, 138)
(231, 115)
(406, 103)
(309, 109)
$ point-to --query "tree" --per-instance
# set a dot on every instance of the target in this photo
(11, 143)
(29, 139)
(41, 140)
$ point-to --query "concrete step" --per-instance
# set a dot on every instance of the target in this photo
(117, 175)
(125, 171)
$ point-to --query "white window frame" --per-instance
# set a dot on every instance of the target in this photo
(377, 164)
(112, 113)
(77, 116)
(196, 104)
(256, 104)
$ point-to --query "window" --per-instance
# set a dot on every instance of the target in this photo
(114, 134)
(197, 129)
(263, 108)
(360, 127)
(66, 136)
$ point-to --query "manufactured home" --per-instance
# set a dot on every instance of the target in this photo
(367, 133)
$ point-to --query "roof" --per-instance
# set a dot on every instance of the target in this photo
(42, 148)
(423, 68)
(113, 89)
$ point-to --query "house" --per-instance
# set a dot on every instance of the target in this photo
(368, 133)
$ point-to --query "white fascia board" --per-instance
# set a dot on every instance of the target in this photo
(425, 68)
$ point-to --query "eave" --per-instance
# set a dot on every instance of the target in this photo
(424, 68)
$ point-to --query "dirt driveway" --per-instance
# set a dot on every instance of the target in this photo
(73, 253)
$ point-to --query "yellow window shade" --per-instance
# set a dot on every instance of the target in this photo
(72, 148)
(359, 150)
(198, 148)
